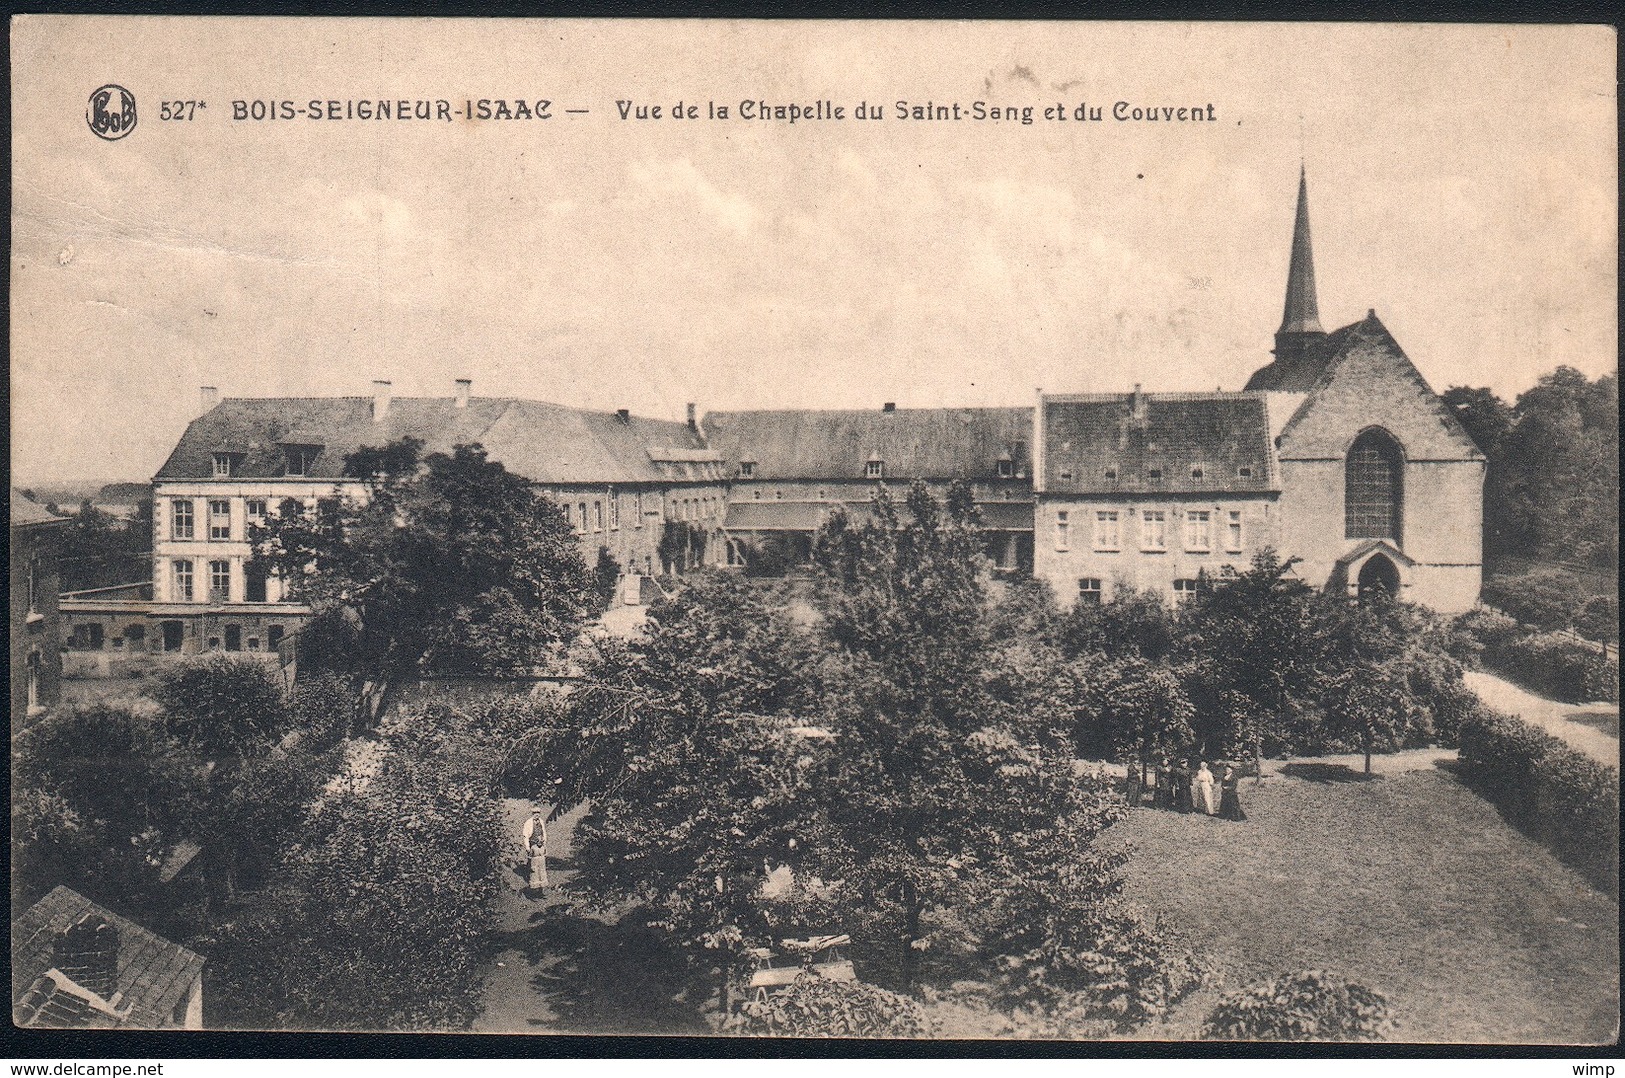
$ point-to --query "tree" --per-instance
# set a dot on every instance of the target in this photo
(949, 816)
(98, 551)
(222, 707)
(383, 906)
(1255, 649)
(1560, 469)
(688, 746)
(1141, 709)
(449, 563)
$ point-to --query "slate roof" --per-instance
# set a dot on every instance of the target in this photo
(1173, 433)
(546, 443)
(25, 513)
(914, 443)
(154, 975)
(1301, 375)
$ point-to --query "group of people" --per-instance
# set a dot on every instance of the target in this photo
(1188, 789)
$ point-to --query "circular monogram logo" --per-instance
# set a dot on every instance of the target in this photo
(111, 112)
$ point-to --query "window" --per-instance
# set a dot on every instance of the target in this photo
(1196, 473)
(180, 519)
(180, 581)
(1063, 530)
(273, 637)
(1089, 590)
(219, 518)
(747, 469)
(225, 465)
(1244, 472)
(1198, 530)
(234, 638)
(1155, 473)
(1232, 538)
(875, 469)
(1373, 487)
(1153, 530)
(597, 516)
(1111, 471)
(136, 634)
(87, 637)
(174, 635)
(298, 459)
(254, 577)
(220, 581)
(756, 494)
(822, 494)
(1184, 590)
(214, 643)
(614, 510)
(34, 574)
(1007, 469)
(778, 495)
(581, 522)
(254, 510)
(253, 643)
(637, 510)
(1106, 536)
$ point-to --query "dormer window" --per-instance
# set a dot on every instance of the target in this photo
(875, 468)
(1007, 469)
(1196, 473)
(299, 459)
(1111, 472)
(1245, 473)
(1155, 473)
(225, 465)
(747, 469)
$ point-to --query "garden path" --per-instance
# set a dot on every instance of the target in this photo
(1555, 718)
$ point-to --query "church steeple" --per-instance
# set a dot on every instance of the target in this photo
(1300, 328)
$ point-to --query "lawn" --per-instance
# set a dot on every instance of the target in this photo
(1408, 883)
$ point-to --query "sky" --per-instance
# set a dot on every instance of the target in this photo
(1462, 183)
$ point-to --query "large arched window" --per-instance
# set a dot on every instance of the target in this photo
(1373, 487)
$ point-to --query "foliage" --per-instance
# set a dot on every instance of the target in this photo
(1558, 795)
(1543, 598)
(1553, 665)
(1137, 710)
(450, 564)
(1303, 1006)
(682, 545)
(684, 742)
(222, 706)
(1599, 619)
(1099, 963)
(606, 574)
(1134, 623)
(385, 900)
(770, 556)
(1552, 488)
(97, 550)
(815, 1006)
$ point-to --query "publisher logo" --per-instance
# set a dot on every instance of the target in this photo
(111, 112)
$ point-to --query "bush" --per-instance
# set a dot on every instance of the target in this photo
(1303, 1006)
(1558, 666)
(1556, 795)
(606, 574)
(1599, 618)
(221, 705)
(816, 1006)
(1543, 598)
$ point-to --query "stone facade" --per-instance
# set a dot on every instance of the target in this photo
(36, 621)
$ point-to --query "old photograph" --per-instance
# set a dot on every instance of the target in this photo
(749, 529)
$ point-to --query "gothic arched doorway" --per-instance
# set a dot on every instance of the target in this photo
(1379, 574)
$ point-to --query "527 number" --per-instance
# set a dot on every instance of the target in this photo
(179, 110)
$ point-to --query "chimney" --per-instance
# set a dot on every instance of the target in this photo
(207, 398)
(889, 406)
(381, 397)
(693, 418)
(1136, 406)
(625, 415)
(464, 386)
(87, 951)
(1038, 441)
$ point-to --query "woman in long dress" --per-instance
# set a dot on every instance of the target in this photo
(535, 839)
(1230, 801)
(1202, 793)
(1183, 792)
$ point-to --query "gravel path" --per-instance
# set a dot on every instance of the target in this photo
(1551, 716)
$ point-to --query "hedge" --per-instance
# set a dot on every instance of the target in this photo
(1554, 794)
(1548, 663)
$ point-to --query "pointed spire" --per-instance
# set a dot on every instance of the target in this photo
(1302, 314)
